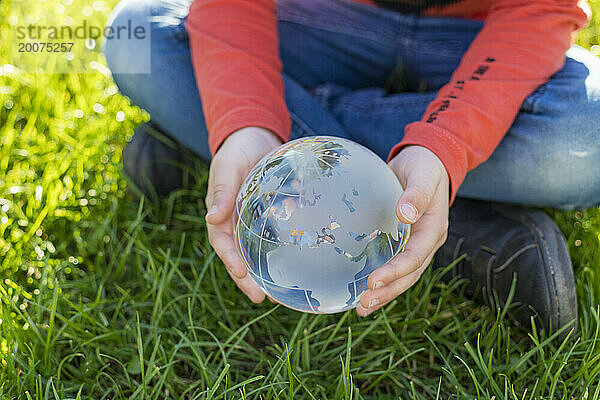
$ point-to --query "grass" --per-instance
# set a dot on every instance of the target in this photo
(105, 297)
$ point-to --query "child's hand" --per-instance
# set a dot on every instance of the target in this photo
(229, 167)
(425, 180)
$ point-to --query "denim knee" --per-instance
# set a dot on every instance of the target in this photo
(125, 53)
(570, 175)
(550, 157)
(572, 166)
(558, 168)
(565, 160)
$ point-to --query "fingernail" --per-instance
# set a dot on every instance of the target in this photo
(377, 285)
(409, 212)
(373, 302)
(213, 210)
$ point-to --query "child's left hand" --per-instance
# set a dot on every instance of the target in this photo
(426, 185)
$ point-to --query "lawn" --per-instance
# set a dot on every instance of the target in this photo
(106, 297)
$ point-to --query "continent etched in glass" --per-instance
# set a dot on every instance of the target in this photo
(314, 218)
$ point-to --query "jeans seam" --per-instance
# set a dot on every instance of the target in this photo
(534, 98)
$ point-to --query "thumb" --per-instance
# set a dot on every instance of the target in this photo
(223, 186)
(417, 197)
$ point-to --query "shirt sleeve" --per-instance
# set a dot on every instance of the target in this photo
(235, 55)
(521, 45)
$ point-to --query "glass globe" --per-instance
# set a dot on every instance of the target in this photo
(314, 218)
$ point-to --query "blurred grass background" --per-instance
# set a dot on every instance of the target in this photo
(105, 297)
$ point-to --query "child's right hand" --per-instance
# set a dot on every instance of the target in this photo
(228, 168)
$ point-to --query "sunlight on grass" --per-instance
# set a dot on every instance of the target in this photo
(105, 297)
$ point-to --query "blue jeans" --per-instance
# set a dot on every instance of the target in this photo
(337, 55)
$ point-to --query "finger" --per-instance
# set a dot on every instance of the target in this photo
(421, 186)
(362, 311)
(222, 242)
(372, 300)
(249, 286)
(223, 186)
(221, 239)
(425, 239)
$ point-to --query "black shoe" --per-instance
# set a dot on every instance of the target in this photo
(502, 240)
(155, 162)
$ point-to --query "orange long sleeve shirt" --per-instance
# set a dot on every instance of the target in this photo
(234, 47)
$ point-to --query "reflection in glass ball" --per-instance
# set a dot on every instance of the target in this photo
(314, 218)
